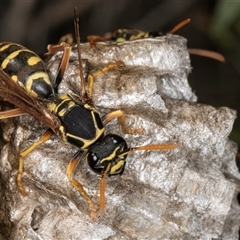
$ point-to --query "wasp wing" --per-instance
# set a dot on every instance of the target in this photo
(13, 93)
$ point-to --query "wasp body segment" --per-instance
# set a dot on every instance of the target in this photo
(25, 68)
(82, 125)
(124, 34)
(129, 34)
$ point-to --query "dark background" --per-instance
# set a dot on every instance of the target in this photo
(215, 25)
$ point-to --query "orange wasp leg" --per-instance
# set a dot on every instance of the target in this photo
(70, 171)
(122, 121)
(91, 76)
(102, 188)
(46, 136)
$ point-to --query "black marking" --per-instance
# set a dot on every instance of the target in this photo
(42, 89)
(78, 122)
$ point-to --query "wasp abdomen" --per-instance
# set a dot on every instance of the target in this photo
(26, 68)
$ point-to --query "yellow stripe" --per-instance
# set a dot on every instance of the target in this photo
(111, 156)
(120, 39)
(115, 169)
(52, 106)
(14, 78)
(118, 166)
(33, 77)
(64, 96)
(34, 60)
(71, 104)
(139, 35)
(13, 55)
(62, 112)
(5, 47)
(86, 143)
(9, 57)
(62, 130)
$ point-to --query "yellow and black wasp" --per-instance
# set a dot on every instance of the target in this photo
(25, 83)
(128, 34)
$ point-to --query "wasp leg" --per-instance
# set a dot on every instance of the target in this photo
(122, 121)
(70, 171)
(179, 25)
(64, 60)
(67, 38)
(102, 189)
(92, 39)
(54, 48)
(11, 113)
(96, 38)
(47, 134)
(91, 76)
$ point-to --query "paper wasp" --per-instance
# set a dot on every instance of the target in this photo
(128, 34)
(74, 119)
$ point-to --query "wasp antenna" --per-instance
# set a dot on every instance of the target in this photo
(76, 25)
(150, 147)
(180, 25)
(206, 53)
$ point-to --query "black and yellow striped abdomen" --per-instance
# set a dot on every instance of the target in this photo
(26, 68)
